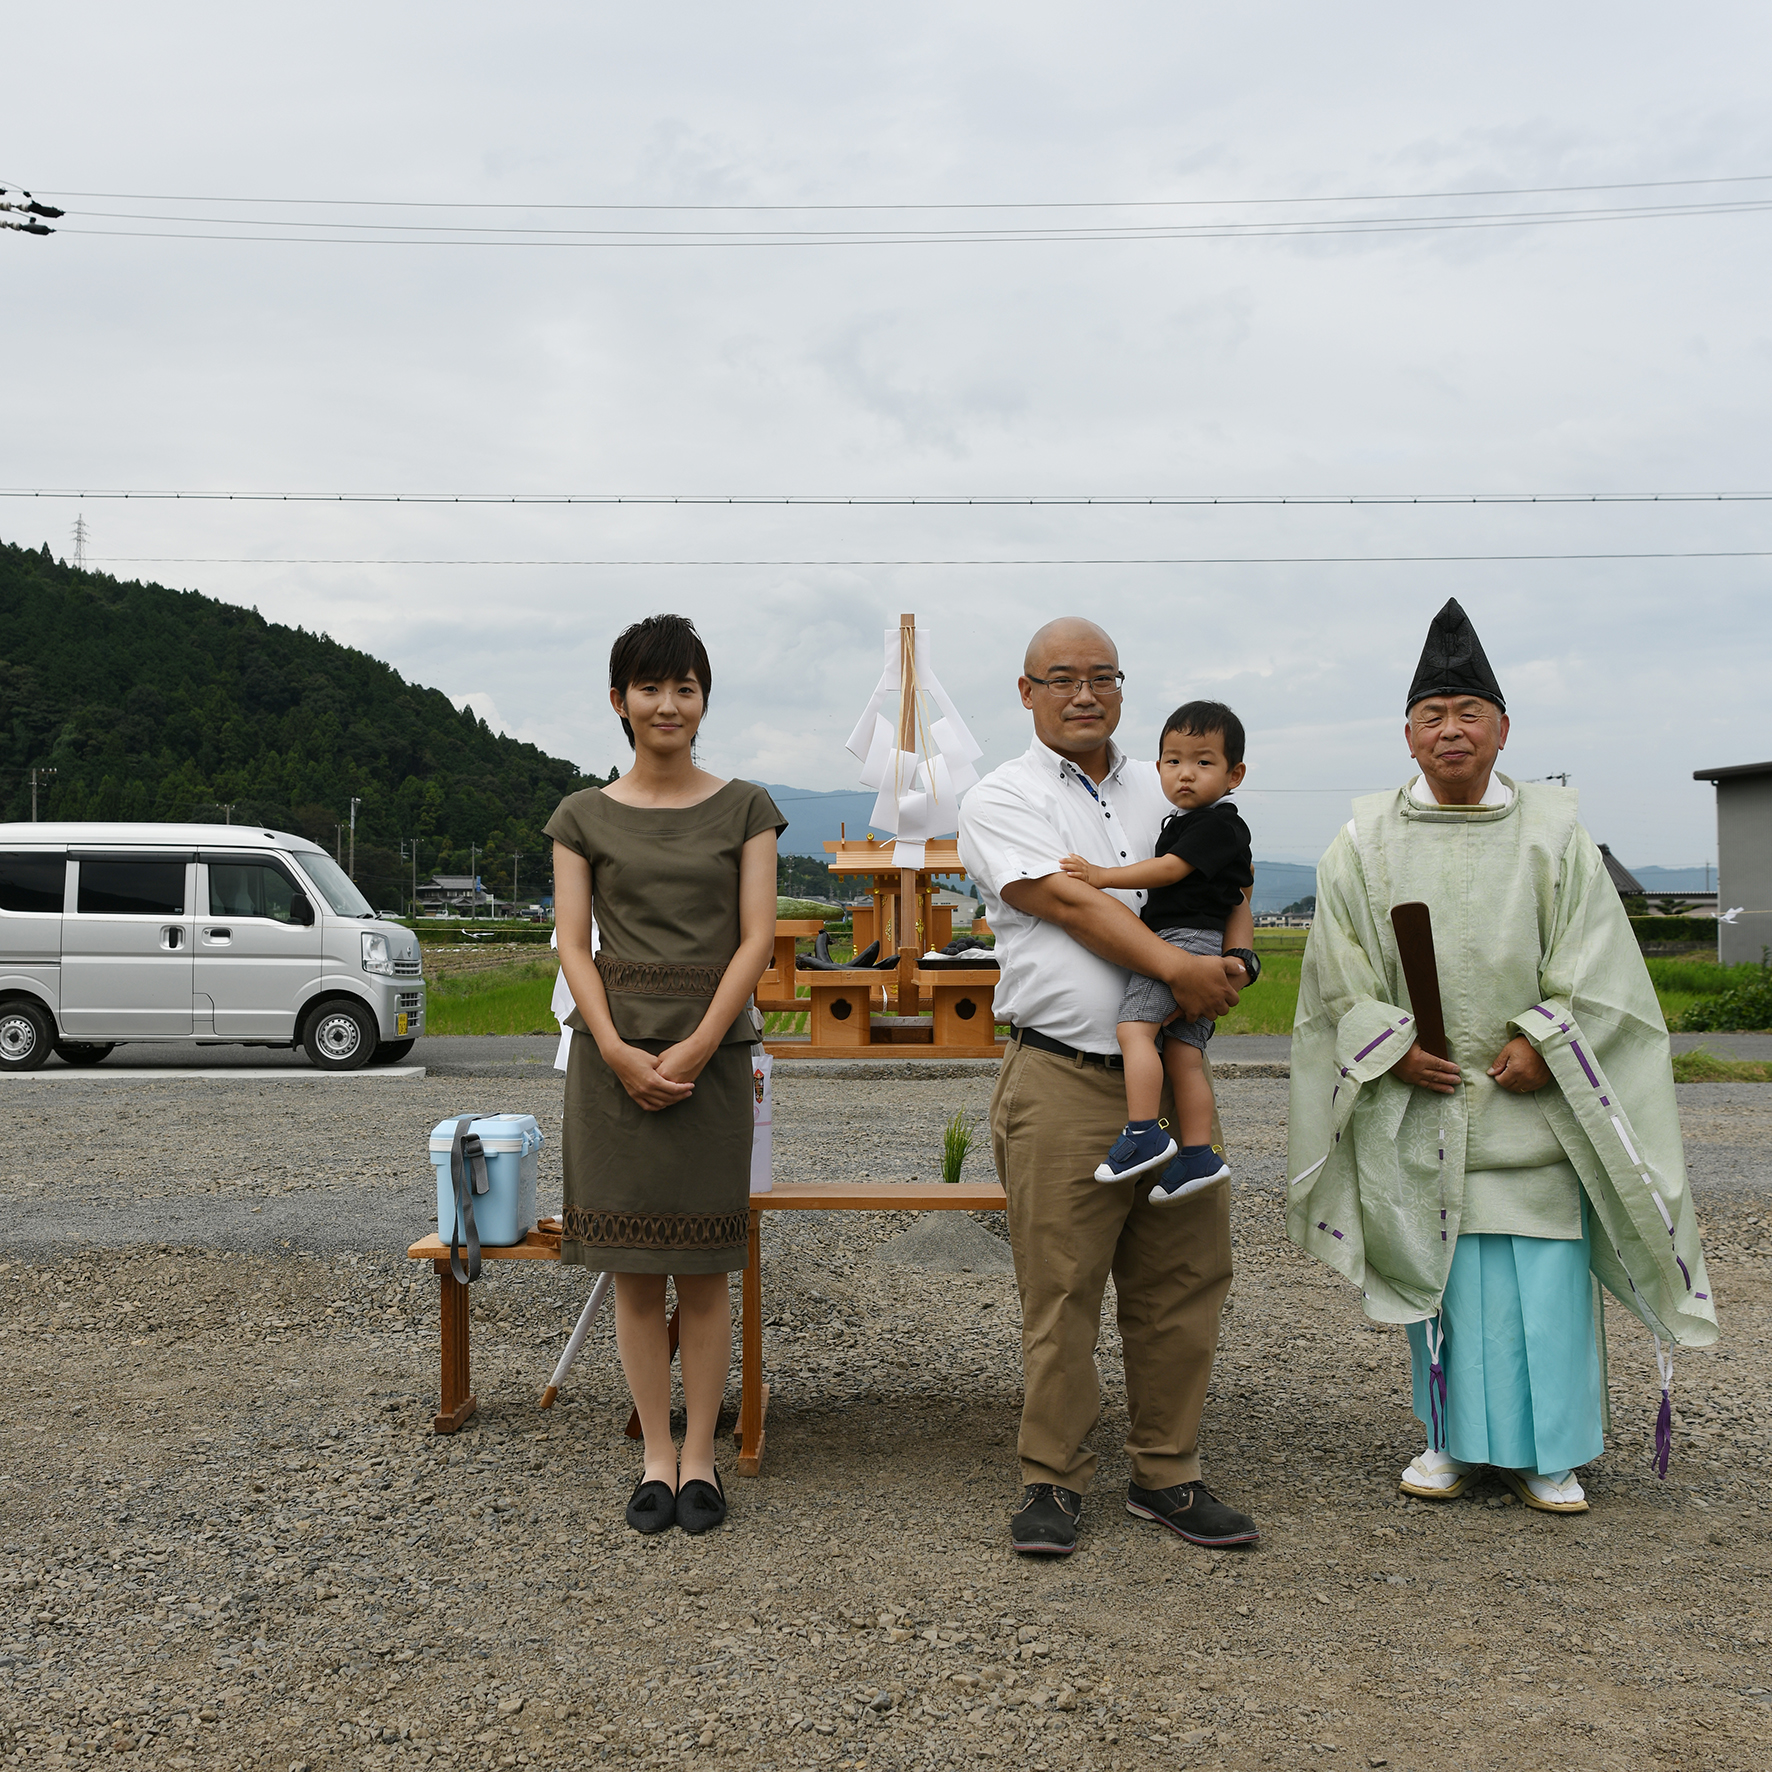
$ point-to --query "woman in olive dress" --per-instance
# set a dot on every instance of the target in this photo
(678, 868)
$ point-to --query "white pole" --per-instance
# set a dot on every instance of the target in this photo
(577, 1340)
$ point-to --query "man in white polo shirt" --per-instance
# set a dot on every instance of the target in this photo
(1065, 950)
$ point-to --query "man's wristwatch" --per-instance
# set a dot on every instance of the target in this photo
(1251, 965)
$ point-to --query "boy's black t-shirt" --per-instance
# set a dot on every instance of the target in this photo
(1216, 841)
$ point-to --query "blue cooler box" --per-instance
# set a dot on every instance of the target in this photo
(505, 1213)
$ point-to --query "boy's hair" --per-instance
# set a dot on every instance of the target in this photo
(662, 647)
(1199, 719)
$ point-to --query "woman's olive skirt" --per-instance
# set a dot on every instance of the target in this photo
(656, 1193)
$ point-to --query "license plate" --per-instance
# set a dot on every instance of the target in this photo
(400, 1023)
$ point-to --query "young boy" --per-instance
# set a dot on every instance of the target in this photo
(1196, 879)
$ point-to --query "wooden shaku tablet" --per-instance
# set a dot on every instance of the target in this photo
(1415, 948)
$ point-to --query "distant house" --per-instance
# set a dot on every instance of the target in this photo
(1621, 876)
(1744, 858)
(453, 895)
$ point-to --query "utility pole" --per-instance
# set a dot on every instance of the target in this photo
(228, 810)
(338, 843)
(473, 881)
(80, 540)
(413, 842)
(355, 803)
(37, 775)
(514, 860)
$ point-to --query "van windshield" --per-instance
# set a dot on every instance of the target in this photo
(335, 885)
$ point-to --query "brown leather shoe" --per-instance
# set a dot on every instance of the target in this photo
(1193, 1512)
(1046, 1525)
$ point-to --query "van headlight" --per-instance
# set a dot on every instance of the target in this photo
(376, 957)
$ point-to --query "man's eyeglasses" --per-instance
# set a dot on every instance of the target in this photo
(1104, 686)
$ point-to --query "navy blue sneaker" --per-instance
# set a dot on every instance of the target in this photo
(1142, 1145)
(1196, 1167)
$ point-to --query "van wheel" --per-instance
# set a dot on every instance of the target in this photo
(83, 1054)
(392, 1051)
(340, 1036)
(26, 1036)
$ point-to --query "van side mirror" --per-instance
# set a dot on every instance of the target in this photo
(301, 910)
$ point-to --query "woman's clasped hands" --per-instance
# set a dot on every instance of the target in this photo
(659, 1079)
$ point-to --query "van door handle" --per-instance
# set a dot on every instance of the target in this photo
(172, 937)
(218, 935)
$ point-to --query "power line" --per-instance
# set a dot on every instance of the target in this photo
(894, 500)
(631, 239)
(1657, 184)
(1145, 230)
(1124, 560)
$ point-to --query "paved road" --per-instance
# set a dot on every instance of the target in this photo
(470, 1055)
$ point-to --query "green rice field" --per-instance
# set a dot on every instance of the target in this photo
(1681, 983)
(510, 999)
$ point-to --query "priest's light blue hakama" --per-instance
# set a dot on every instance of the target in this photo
(1524, 1386)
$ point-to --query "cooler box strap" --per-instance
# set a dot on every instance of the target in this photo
(467, 1175)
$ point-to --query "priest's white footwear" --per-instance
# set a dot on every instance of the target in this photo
(1550, 1495)
(1435, 1477)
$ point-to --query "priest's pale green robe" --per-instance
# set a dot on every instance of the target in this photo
(1530, 938)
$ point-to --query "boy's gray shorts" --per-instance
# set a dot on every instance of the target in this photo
(1149, 999)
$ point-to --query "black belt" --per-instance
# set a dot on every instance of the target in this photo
(1111, 1061)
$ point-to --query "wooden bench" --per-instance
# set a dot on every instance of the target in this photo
(456, 1401)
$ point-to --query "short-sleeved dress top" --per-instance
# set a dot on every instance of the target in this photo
(664, 1192)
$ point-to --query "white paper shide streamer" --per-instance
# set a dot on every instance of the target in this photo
(917, 798)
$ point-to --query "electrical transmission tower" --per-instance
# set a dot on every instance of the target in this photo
(80, 540)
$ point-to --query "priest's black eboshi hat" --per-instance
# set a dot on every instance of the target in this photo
(1453, 661)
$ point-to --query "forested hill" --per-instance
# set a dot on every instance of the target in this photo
(168, 705)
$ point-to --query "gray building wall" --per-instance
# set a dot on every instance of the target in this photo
(1744, 865)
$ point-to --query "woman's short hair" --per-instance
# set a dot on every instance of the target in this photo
(662, 647)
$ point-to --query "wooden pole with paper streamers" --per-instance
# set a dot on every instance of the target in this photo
(919, 758)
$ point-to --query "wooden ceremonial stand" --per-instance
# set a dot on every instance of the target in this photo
(907, 1011)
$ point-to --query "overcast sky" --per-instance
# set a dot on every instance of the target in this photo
(1591, 356)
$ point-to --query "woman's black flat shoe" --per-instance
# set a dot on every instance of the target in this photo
(653, 1508)
(701, 1506)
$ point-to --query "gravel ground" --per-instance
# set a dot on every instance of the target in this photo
(229, 1538)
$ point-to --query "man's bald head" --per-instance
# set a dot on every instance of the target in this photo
(1073, 640)
(1077, 725)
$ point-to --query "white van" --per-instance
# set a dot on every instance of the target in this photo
(215, 934)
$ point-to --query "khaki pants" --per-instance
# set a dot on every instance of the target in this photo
(1052, 1121)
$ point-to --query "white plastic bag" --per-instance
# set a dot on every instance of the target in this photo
(762, 1121)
